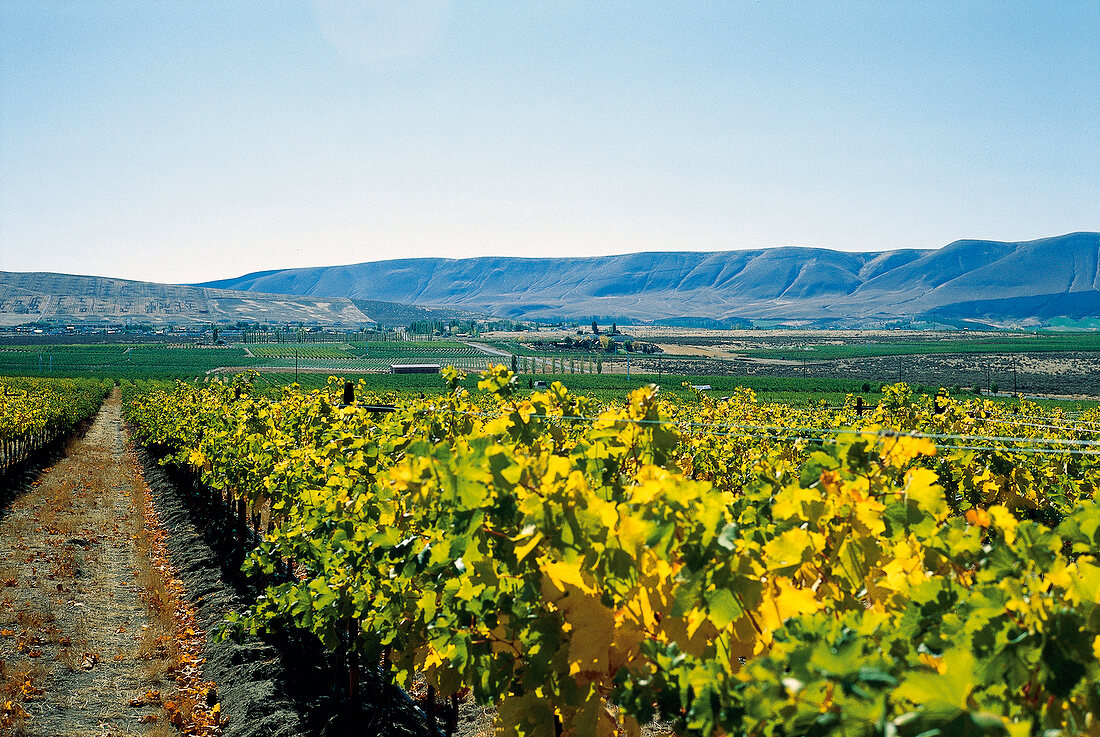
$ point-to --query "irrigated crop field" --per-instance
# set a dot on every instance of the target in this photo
(1060, 364)
(797, 366)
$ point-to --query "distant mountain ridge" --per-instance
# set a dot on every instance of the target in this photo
(1022, 282)
(27, 297)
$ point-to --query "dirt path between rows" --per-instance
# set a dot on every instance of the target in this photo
(76, 643)
(114, 573)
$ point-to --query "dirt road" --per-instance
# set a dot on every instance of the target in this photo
(77, 643)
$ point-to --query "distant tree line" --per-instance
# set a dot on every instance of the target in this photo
(593, 343)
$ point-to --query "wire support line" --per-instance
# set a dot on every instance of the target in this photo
(1072, 428)
(834, 441)
(1078, 426)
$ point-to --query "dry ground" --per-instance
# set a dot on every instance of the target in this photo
(79, 642)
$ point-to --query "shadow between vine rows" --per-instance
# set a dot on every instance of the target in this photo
(278, 684)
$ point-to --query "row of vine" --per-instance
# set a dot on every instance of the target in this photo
(732, 567)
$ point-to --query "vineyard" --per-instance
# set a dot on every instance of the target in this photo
(374, 364)
(305, 350)
(1030, 343)
(36, 412)
(176, 361)
(117, 361)
(438, 349)
(730, 567)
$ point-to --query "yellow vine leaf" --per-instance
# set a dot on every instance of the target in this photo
(523, 550)
(921, 484)
(787, 601)
(899, 450)
(791, 548)
(563, 574)
(1005, 522)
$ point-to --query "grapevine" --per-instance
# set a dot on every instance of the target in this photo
(730, 566)
(36, 412)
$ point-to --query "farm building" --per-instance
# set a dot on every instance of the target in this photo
(414, 368)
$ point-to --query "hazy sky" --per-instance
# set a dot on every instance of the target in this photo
(182, 140)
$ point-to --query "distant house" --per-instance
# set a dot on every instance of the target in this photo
(414, 368)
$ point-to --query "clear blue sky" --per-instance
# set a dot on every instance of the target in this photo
(191, 140)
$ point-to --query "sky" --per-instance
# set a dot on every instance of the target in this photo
(182, 141)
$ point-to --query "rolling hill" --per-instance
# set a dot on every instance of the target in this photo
(27, 297)
(1027, 282)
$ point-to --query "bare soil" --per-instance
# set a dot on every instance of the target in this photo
(73, 647)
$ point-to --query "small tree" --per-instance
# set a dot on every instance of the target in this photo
(599, 364)
(595, 328)
(515, 364)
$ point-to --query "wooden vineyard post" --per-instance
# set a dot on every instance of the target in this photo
(242, 515)
(452, 717)
(429, 706)
(353, 659)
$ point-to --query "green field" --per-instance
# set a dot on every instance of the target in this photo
(303, 350)
(375, 365)
(371, 361)
(414, 348)
(1024, 343)
(188, 361)
(118, 361)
